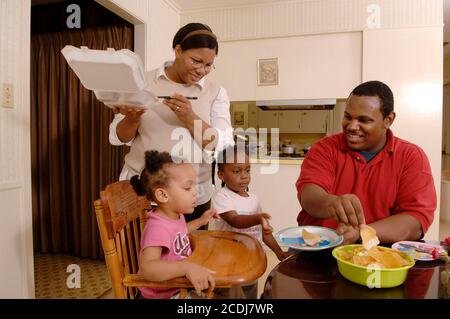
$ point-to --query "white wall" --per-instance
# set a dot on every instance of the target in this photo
(276, 193)
(310, 67)
(16, 243)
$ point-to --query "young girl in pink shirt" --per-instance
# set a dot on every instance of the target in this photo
(165, 239)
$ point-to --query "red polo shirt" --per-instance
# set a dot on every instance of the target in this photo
(397, 180)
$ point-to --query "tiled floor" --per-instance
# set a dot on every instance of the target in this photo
(65, 276)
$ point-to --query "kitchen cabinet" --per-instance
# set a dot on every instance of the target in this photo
(314, 121)
(295, 121)
(289, 121)
(268, 119)
(286, 121)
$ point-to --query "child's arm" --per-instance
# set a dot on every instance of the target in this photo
(270, 241)
(155, 269)
(245, 221)
(202, 220)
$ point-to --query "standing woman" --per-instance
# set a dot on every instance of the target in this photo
(169, 124)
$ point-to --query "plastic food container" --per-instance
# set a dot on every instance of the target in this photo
(365, 276)
(116, 77)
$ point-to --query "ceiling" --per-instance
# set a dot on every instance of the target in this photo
(186, 5)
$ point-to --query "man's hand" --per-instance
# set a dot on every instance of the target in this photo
(350, 233)
(346, 209)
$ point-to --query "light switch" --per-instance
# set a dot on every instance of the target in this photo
(7, 91)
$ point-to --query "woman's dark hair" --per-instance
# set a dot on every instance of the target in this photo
(197, 39)
(377, 88)
(153, 175)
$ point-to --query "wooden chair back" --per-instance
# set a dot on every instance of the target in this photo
(121, 217)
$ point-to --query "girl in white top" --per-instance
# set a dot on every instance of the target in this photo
(239, 209)
(191, 129)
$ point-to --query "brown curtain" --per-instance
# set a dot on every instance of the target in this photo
(72, 159)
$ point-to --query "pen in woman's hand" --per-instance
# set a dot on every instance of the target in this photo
(169, 97)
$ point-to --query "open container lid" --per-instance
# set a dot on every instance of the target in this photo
(116, 77)
(106, 70)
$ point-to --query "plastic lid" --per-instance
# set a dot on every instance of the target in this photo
(106, 70)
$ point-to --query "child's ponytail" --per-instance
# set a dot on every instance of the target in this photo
(153, 174)
(137, 185)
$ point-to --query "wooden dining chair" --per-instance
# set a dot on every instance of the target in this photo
(236, 258)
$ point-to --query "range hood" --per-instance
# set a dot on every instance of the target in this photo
(323, 104)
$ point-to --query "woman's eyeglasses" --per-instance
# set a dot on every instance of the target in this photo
(198, 65)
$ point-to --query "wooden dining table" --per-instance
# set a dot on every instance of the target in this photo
(315, 275)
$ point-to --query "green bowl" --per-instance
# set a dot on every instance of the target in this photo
(370, 276)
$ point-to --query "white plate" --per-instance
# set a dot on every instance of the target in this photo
(417, 255)
(291, 237)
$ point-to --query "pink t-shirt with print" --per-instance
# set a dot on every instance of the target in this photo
(172, 235)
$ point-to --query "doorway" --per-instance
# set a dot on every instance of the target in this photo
(72, 159)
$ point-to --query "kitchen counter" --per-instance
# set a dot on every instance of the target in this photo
(277, 160)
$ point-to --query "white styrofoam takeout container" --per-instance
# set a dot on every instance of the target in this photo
(116, 77)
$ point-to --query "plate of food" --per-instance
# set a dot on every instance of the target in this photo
(420, 251)
(309, 238)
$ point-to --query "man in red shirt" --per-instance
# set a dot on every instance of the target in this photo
(366, 175)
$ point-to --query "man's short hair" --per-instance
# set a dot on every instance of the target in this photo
(377, 88)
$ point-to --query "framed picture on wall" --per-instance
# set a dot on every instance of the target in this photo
(268, 71)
